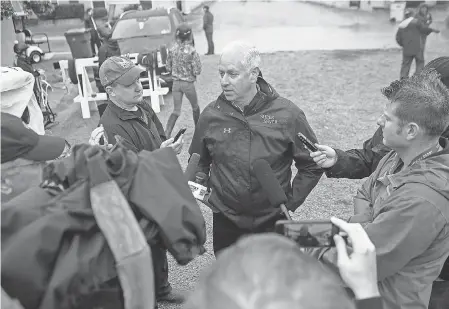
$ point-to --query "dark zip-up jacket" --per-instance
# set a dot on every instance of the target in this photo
(144, 133)
(229, 141)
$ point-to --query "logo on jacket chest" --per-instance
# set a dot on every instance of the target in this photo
(268, 119)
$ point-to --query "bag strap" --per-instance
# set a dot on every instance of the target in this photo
(123, 234)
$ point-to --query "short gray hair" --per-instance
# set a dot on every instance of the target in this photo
(267, 271)
(251, 55)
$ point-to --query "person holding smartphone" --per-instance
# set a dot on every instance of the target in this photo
(129, 118)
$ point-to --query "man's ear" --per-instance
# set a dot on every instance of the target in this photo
(110, 91)
(413, 130)
(254, 73)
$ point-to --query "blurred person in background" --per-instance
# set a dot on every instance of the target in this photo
(270, 271)
(409, 36)
(403, 204)
(107, 49)
(208, 27)
(184, 64)
(89, 23)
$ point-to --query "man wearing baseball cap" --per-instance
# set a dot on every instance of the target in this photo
(128, 117)
(23, 154)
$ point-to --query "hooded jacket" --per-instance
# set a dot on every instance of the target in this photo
(406, 216)
(51, 243)
(410, 36)
(229, 141)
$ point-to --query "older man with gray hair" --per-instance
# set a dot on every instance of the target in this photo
(250, 121)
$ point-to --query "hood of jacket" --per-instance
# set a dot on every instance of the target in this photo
(431, 171)
(405, 23)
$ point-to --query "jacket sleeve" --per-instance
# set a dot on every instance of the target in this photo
(363, 210)
(423, 28)
(199, 145)
(369, 303)
(399, 37)
(169, 64)
(112, 131)
(308, 173)
(196, 64)
(401, 231)
(359, 163)
(102, 55)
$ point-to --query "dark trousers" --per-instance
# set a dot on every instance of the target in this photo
(226, 233)
(407, 63)
(160, 266)
(439, 299)
(210, 43)
(94, 40)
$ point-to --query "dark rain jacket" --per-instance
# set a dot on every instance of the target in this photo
(53, 253)
(406, 216)
(411, 36)
(144, 133)
(229, 141)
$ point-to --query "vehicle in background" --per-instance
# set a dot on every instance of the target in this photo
(148, 31)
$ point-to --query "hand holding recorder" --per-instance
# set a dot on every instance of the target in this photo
(324, 156)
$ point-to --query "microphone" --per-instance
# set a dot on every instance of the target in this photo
(265, 175)
(192, 166)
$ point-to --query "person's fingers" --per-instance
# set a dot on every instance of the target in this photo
(324, 148)
(357, 234)
(342, 254)
(316, 154)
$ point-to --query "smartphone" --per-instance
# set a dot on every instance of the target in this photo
(178, 135)
(308, 233)
(309, 145)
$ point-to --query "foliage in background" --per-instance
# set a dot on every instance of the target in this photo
(7, 10)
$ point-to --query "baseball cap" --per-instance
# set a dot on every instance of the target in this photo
(120, 70)
(183, 31)
(17, 141)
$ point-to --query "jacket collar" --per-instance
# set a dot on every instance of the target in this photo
(265, 94)
(415, 171)
(124, 114)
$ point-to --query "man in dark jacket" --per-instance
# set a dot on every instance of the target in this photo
(410, 37)
(208, 27)
(360, 163)
(403, 204)
(250, 121)
(132, 119)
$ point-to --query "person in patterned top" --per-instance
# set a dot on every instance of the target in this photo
(184, 64)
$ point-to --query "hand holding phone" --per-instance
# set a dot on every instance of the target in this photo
(178, 135)
(309, 233)
(309, 145)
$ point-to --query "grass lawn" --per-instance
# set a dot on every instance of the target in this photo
(339, 91)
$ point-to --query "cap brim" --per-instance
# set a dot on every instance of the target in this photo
(130, 77)
(47, 148)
